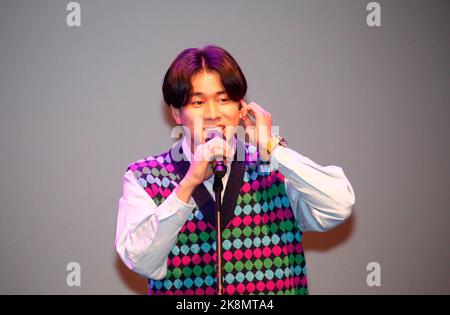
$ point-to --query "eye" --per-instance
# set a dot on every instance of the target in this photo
(224, 100)
(197, 103)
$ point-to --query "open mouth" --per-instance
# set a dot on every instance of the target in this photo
(214, 127)
(220, 129)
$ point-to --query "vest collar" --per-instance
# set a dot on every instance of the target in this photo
(201, 195)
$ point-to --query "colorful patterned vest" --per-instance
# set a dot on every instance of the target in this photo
(262, 251)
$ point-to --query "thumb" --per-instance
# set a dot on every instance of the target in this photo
(247, 121)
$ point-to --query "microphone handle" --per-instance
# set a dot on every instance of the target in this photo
(219, 168)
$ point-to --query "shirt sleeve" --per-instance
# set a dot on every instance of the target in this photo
(321, 197)
(146, 233)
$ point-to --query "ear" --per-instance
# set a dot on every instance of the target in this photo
(176, 114)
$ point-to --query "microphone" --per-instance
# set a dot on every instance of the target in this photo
(219, 167)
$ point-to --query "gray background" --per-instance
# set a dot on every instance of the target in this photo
(79, 104)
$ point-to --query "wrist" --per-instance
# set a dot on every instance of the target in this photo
(185, 189)
(188, 183)
(274, 142)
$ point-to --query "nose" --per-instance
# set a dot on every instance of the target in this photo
(211, 111)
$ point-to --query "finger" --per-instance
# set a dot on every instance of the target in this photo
(262, 110)
(244, 114)
(264, 118)
(216, 141)
(218, 153)
(248, 116)
(244, 111)
(248, 123)
(256, 110)
(219, 147)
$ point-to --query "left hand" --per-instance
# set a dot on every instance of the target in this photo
(258, 125)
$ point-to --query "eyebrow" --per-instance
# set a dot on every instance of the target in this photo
(202, 94)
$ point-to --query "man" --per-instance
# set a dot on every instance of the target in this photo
(166, 229)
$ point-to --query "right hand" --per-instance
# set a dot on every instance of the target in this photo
(201, 168)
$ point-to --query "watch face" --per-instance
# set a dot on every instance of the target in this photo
(274, 142)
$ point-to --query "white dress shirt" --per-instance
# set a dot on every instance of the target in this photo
(320, 198)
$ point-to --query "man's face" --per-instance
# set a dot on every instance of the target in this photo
(208, 106)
